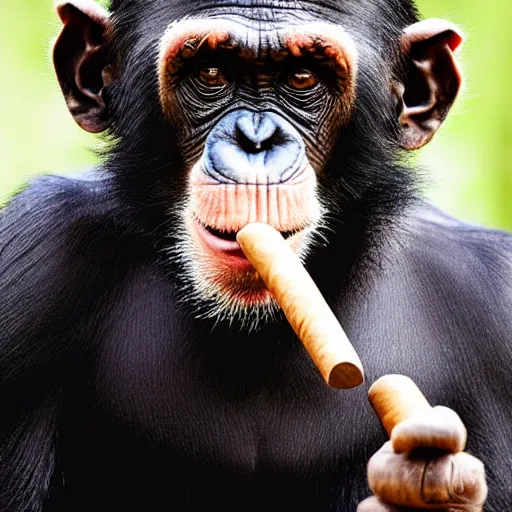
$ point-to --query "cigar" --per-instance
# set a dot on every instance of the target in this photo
(303, 305)
(410, 421)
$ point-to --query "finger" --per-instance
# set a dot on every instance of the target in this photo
(410, 481)
(457, 479)
(438, 427)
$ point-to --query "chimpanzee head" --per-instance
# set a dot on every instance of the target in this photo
(222, 113)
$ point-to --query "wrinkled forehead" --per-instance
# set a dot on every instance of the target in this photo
(263, 21)
(271, 17)
(261, 12)
(264, 25)
(256, 14)
(256, 8)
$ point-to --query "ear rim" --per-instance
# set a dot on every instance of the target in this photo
(429, 28)
(90, 8)
(416, 133)
(86, 106)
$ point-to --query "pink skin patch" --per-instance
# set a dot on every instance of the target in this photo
(289, 207)
(225, 250)
(228, 207)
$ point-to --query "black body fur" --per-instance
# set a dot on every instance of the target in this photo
(115, 398)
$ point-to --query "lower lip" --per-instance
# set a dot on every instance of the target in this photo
(227, 251)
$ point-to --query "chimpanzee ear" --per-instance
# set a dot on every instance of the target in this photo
(80, 60)
(433, 79)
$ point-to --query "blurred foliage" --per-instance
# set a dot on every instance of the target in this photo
(470, 162)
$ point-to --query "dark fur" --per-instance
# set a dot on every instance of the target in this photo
(114, 398)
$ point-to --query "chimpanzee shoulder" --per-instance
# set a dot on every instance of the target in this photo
(442, 293)
(49, 218)
(463, 274)
(62, 247)
(468, 247)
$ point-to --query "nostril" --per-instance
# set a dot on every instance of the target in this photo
(251, 146)
(256, 133)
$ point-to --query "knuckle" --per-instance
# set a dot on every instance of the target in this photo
(440, 427)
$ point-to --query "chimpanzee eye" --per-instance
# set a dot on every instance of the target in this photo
(212, 76)
(302, 79)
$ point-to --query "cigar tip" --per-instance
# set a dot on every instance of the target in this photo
(391, 382)
(346, 375)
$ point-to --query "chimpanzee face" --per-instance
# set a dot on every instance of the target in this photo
(260, 99)
(257, 108)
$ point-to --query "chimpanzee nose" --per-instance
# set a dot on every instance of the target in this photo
(253, 148)
(256, 132)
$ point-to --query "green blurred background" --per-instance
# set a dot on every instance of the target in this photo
(470, 161)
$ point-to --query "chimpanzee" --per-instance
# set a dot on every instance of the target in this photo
(143, 364)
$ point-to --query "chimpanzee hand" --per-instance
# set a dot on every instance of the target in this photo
(411, 473)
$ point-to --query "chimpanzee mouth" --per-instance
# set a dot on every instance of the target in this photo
(220, 245)
(230, 236)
